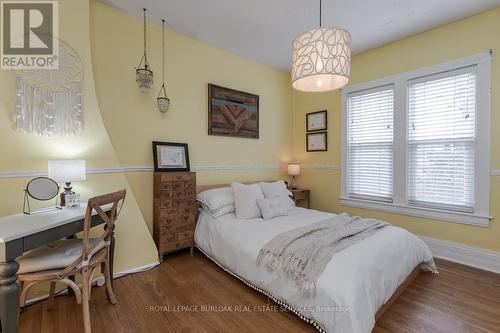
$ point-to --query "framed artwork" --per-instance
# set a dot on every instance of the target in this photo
(170, 156)
(316, 141)
(232, 113)
(316, 121)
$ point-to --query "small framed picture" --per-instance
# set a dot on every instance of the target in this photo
(316, 121)
(316, 141)
(170, 156)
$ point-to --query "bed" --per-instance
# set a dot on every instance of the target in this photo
(356, 287)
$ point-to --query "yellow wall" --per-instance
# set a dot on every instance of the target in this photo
(132, 118)
(467, 37)
(24, 152)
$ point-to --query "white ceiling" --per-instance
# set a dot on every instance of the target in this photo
(263, 30)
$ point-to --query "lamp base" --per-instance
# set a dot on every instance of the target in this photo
(293, 184)
(67, 190)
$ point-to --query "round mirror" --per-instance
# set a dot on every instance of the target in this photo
(42, 188)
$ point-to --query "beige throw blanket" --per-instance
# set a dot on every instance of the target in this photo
(303, 253)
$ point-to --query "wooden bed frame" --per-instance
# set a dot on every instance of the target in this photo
(409, 279)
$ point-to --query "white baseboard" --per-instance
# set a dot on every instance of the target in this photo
(463, 254)
(100, 280)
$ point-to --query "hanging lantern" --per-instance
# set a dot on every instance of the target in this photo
(321, 59)
(162, 99)
(144, 75)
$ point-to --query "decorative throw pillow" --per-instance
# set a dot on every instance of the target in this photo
(217, 201)
(275, 189)
(245, 200)
(278, 206)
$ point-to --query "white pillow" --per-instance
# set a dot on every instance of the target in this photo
(218, 212)
(245, 200)
(217, 201)
(278, 206)
(275, 189)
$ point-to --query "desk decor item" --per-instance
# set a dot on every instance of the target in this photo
(316, 141)
(316, 121)
(42, 189)
(162, 100)
(49, 102)
(144, 75)
(67, 171)
(170, 156)
(293, 171)
(232, 113)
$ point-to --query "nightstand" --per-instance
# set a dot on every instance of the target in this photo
(300, 194)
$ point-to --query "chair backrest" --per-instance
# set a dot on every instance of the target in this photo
(107, 207)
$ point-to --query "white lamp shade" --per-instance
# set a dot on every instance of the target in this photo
(293, 169)
(67, 171)
(321, 60)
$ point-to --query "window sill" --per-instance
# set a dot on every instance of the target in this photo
(434, 214)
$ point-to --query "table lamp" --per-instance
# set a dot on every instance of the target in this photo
(67, 171)
(294, 171)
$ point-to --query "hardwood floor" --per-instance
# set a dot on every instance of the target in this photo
(459, 299)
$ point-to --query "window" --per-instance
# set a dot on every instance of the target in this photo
(441, 132)
(411, 145)
(370, 137)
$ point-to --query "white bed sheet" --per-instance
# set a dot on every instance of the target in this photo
(362, 277)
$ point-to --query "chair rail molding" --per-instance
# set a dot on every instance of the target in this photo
(201, 168)
(146, 169)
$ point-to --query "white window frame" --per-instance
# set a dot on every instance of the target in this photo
(399, 205)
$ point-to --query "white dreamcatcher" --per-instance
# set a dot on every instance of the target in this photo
(49, 101)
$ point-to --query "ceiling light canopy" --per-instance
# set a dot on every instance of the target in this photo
(321, 59)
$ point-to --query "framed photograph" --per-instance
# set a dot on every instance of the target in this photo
(170, 156)
(232, 113)
(316, 141)
(316, 121)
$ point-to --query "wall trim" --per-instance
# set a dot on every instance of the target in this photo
(146, 169)
(320, 167)
(463, 254)
(99, 281)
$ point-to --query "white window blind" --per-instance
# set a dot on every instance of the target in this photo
(370, 143)
(441, 140)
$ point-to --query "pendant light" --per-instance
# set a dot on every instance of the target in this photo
(144, 75)
(321, 59)
(162, 99)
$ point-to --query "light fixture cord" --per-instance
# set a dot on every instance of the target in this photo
(163, 51)
(145, 58)
(320, 14)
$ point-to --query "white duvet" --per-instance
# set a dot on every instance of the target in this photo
(354, 285)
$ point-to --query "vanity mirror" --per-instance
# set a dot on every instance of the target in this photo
(41, 189)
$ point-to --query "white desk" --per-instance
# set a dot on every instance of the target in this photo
(21, 233)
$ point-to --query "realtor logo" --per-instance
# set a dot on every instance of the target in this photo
(29, 35)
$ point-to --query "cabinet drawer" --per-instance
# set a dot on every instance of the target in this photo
(298, 195)
(178, 189)
(176, 228)
(166, 195)
(175, 245)
(185, 235)
(168, 177)
(167, 220)
(166, 205)
(165, 186)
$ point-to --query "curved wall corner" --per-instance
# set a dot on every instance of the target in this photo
(21, 153)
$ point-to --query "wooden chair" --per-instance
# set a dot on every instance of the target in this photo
(61, 260)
